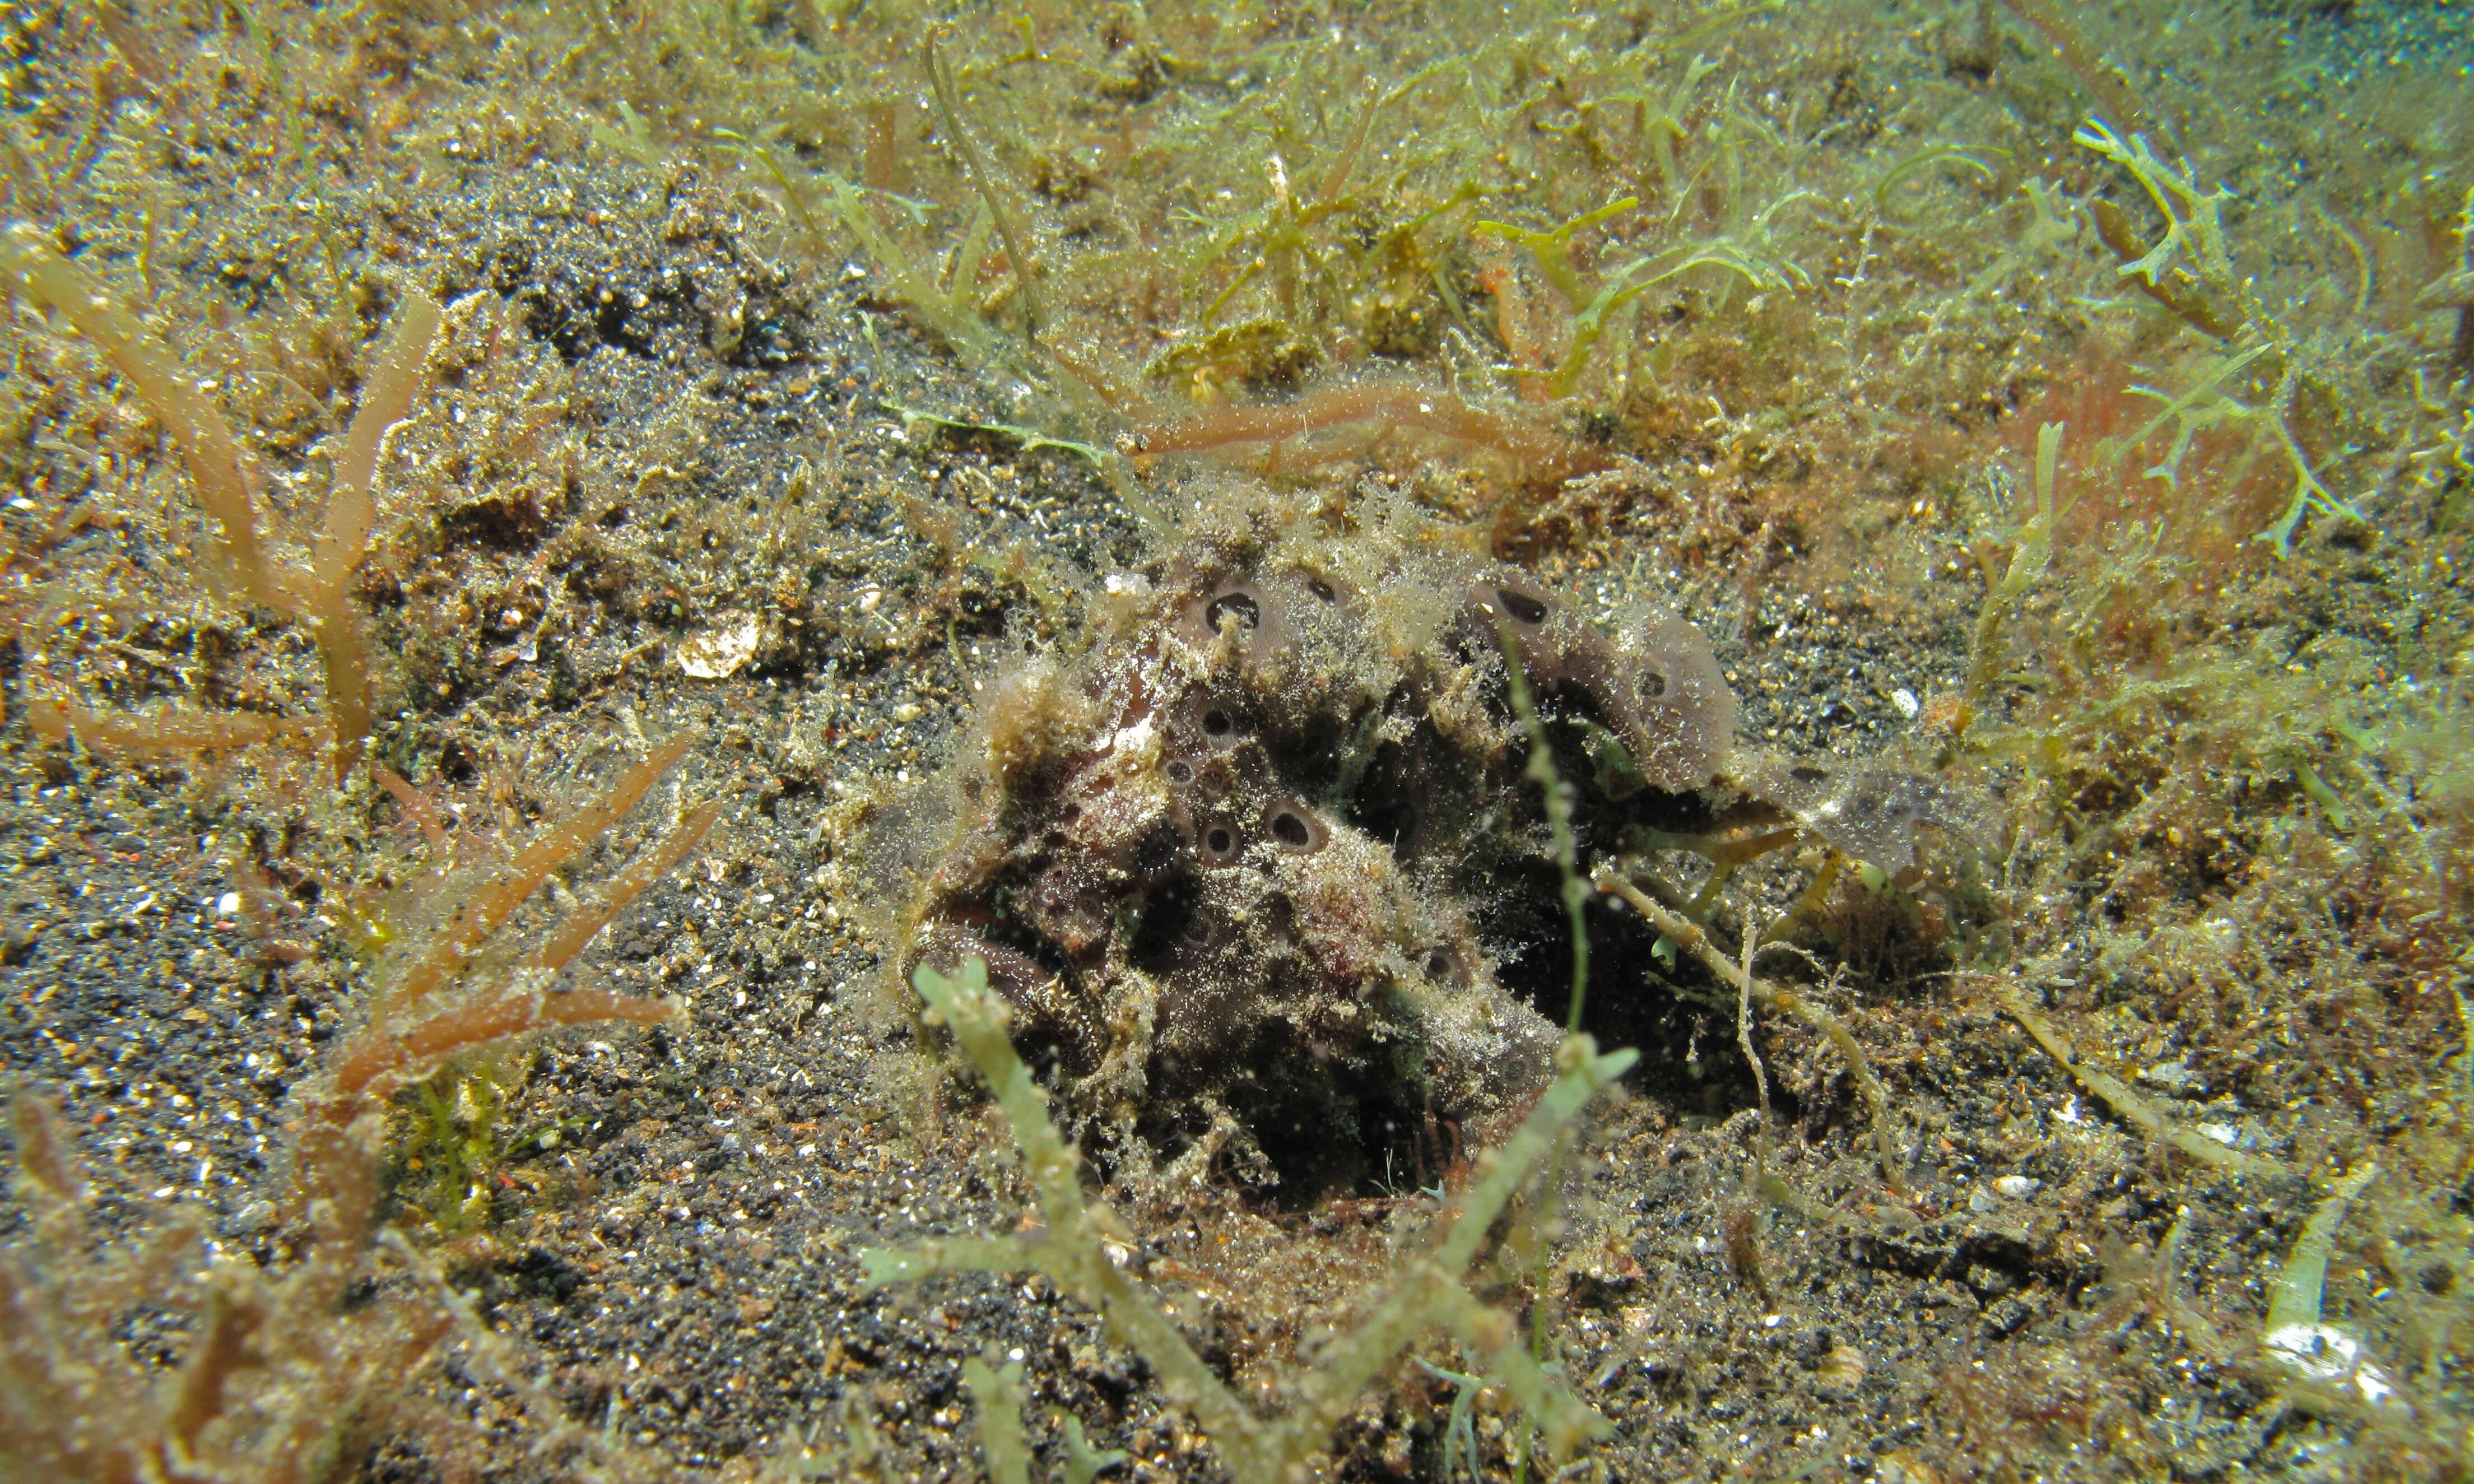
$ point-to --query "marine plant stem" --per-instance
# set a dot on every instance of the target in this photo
(402, 371)
(1425, 1293)
(1540, 770)
(480, 916)
(942, 82)
(1695, 940)
(2070, 47)
(2027, 562)
(1558, 796)
(29, 264)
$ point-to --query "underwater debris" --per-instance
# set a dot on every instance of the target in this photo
(1234, 857)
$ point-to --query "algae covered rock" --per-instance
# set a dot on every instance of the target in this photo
(1231, 856)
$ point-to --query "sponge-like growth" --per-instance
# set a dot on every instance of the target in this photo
(1233, 860)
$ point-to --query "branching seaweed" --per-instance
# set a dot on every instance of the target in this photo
(402, 371)
(409, 1031)
(2195, 239)
(1748, 254)
(1427, 1293)
(316, 593)
(1016, 244)
(32, 267)
(1695, 940)
(284, 1378)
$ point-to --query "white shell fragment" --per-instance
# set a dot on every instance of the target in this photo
(2324, 1352)
(722, 648)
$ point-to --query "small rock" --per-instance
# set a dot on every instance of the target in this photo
(2005, 1316)
(722, 648)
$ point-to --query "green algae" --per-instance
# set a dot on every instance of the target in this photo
(1866, 266)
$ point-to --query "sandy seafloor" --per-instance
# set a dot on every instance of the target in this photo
(670, 1250)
